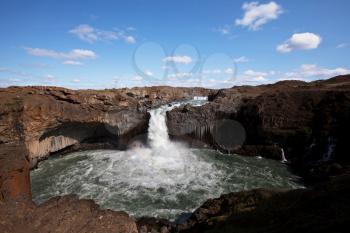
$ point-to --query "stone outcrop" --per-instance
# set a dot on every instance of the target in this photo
(321, 209)
(309, 121)
(50, 119)
(65, 214)
(14, 173)
(324, 208)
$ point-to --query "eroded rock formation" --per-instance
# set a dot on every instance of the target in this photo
(309, 121)
(322, 209)
(49, 119)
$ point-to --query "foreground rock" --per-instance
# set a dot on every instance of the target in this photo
(325, 208)
(14, 173)
(309, 121)
(18, 214)
(62, 215)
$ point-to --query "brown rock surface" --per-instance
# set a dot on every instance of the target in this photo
(62, 214)
(49, 119)
(14, 173)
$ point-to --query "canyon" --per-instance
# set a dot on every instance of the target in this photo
(307, 122)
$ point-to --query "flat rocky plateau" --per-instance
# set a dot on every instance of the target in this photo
(308, 121)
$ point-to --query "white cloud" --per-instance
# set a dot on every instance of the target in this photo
(130, 39)
(312, 71)
(218, 71)
(241, 59)
(301, 41)
(148, 73)
(85, 32)
(49, 78)
(251, 76)
(80, 54)
(137, 78)
(256, 15)
(254, 73)
(342, 45)
(76, 81)
(74, 54)
(89, 34)
(180, 75)
(229, 71)
(225, 30)
(72, 63)
(131, 28)
(178, 59)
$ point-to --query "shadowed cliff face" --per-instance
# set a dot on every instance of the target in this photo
(322, 209)
(309, 121)
(49, 119)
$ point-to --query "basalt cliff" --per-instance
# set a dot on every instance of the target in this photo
(50, 119)
(307, 121)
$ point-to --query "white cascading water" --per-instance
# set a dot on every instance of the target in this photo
(157, 130)
(330, 150)
(283, 157)
(163, 179)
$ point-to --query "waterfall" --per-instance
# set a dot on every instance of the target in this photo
(158, 136)
(283, 157)
(330, 150)
(157, 130)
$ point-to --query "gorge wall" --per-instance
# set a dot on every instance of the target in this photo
(309, 121)
(49, 119)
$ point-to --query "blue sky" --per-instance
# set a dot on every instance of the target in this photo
(106, 44)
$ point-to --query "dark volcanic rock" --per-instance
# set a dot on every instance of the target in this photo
(155, 225)
(309, 121)
(322, 209)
